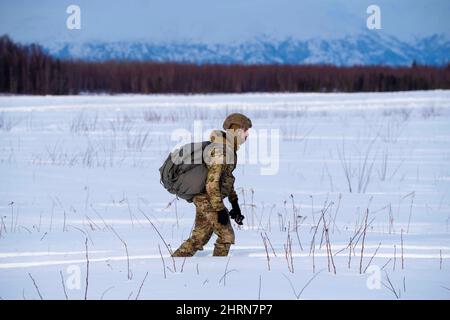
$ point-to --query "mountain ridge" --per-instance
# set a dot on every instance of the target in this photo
(368, 48)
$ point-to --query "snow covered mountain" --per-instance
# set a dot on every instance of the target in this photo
(236, 31)
(369, 48)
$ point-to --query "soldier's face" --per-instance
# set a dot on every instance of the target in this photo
(240, 135)
(244, 134)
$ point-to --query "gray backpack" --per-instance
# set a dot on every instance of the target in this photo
(184, 171)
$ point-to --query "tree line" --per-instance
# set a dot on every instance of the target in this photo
(28, 69)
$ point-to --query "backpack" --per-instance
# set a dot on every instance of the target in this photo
(184, 171)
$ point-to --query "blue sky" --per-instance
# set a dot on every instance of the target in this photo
(224, 21)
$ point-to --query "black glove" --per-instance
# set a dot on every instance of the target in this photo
(235, 213)
(222, 217)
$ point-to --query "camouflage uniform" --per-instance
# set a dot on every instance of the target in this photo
(219, 184)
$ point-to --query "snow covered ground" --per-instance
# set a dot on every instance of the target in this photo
(81, 172)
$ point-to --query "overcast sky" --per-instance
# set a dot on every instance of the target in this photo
(218, 21)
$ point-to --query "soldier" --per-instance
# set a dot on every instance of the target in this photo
(211, 214)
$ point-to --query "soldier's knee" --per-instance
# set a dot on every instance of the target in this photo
(226, 235)
(201, 238)
(225, 240)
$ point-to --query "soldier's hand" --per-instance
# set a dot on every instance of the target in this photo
(235, 213)
(239, 219)
(222, 217)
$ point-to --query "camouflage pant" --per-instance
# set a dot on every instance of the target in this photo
(205, 224)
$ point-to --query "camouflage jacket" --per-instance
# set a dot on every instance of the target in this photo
(221, 164)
